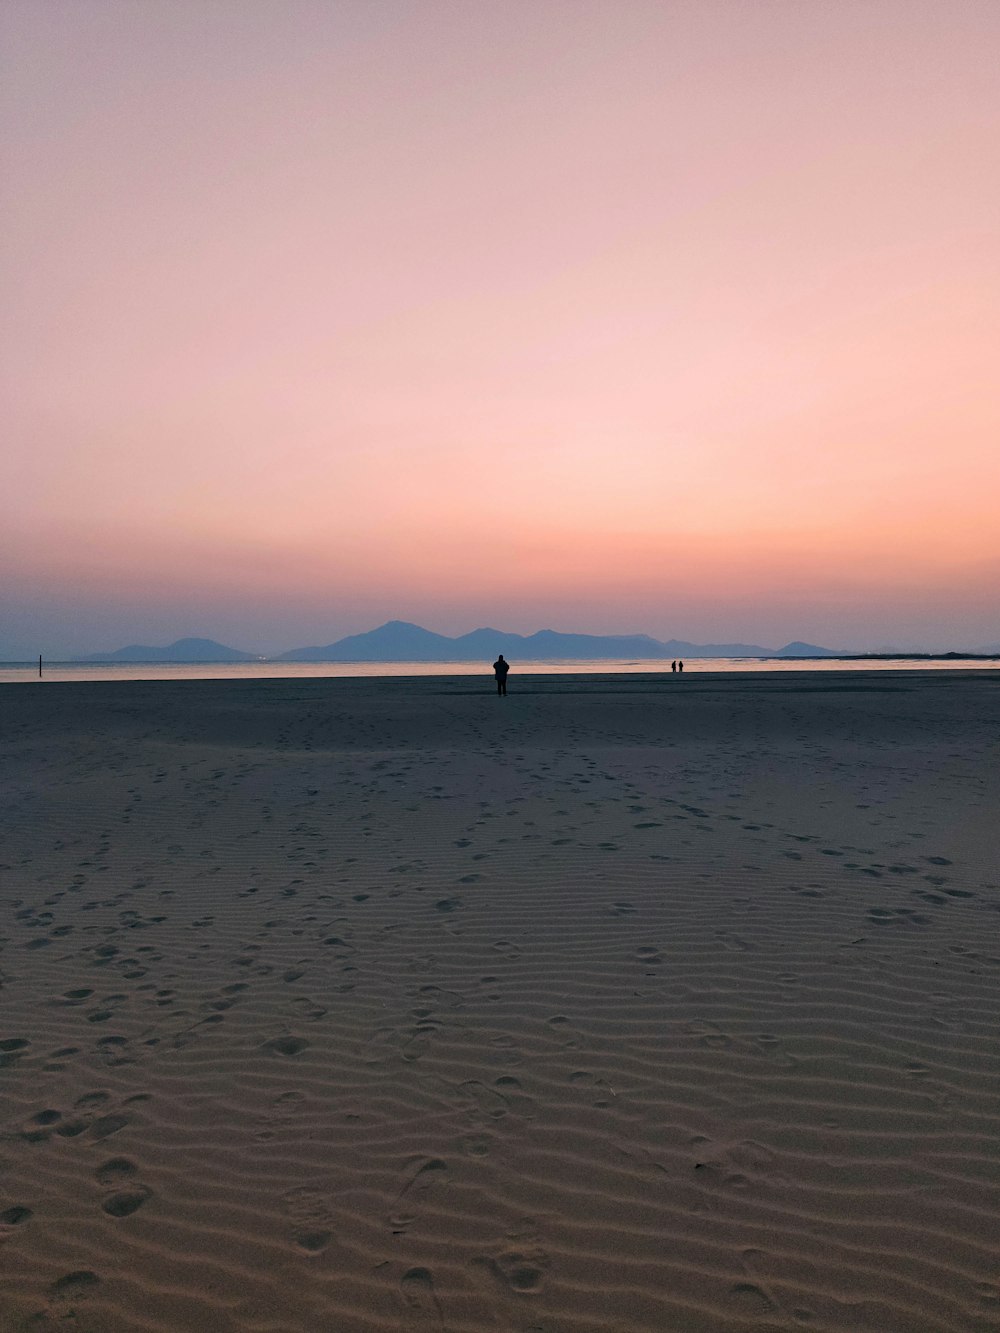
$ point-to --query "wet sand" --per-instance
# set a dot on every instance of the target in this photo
(622, 1003)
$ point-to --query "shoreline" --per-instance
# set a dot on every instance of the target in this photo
(785, 677)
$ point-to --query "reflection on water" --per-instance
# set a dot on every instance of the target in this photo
(66, 671)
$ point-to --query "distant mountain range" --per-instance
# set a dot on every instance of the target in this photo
(183, 650)
(398, 641)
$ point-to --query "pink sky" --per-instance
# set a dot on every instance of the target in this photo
(668, 317)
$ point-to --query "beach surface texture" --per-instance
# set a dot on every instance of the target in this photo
(620, 1004)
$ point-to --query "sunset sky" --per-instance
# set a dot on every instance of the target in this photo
(598, 315)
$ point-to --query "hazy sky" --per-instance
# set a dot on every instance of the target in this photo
(676, 317)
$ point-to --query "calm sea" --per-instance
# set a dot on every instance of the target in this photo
(65, 671)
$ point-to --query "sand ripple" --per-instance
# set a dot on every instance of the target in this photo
(328, 1006)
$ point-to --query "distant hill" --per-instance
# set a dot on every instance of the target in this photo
(797, 649)
(399, 641)
(396, 641)
(183, 650)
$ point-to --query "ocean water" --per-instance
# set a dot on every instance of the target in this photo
(27, 672)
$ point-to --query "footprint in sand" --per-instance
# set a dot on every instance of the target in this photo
(312, 1221)
(81, 1282)
(772, 1047)
(90, 1100)
(648, 956)
(279, 1117)
(12, 1049)
(417, 1289)
(750, 1301)
(509, 951)
(732, 942)
(510, 1089)
(12, 1217)
(451, 904)
(485, 1100)
(287, 1045)
(476, 1145)
(126, 1194)
(381, 1047)
(115, 1051)
(115, 1171)
(419, 1040)
(562, 1029)
(106, 1125)
(710, 1036)
(441, 999)
(598, 1089)
(425, 1175)
(518, 1266)
(40, 1126)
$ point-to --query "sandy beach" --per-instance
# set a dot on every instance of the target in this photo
(620, 1004)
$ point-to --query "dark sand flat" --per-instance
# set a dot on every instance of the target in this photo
(623, 1003)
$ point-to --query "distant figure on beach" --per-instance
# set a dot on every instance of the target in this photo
(673, 665)
(680, 666)
(500, 669)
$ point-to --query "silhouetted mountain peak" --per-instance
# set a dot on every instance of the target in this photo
(181, 650)
(798, 649)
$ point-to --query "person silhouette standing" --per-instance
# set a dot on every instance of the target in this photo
(673, 665)
(500, 669)
(680, 666)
